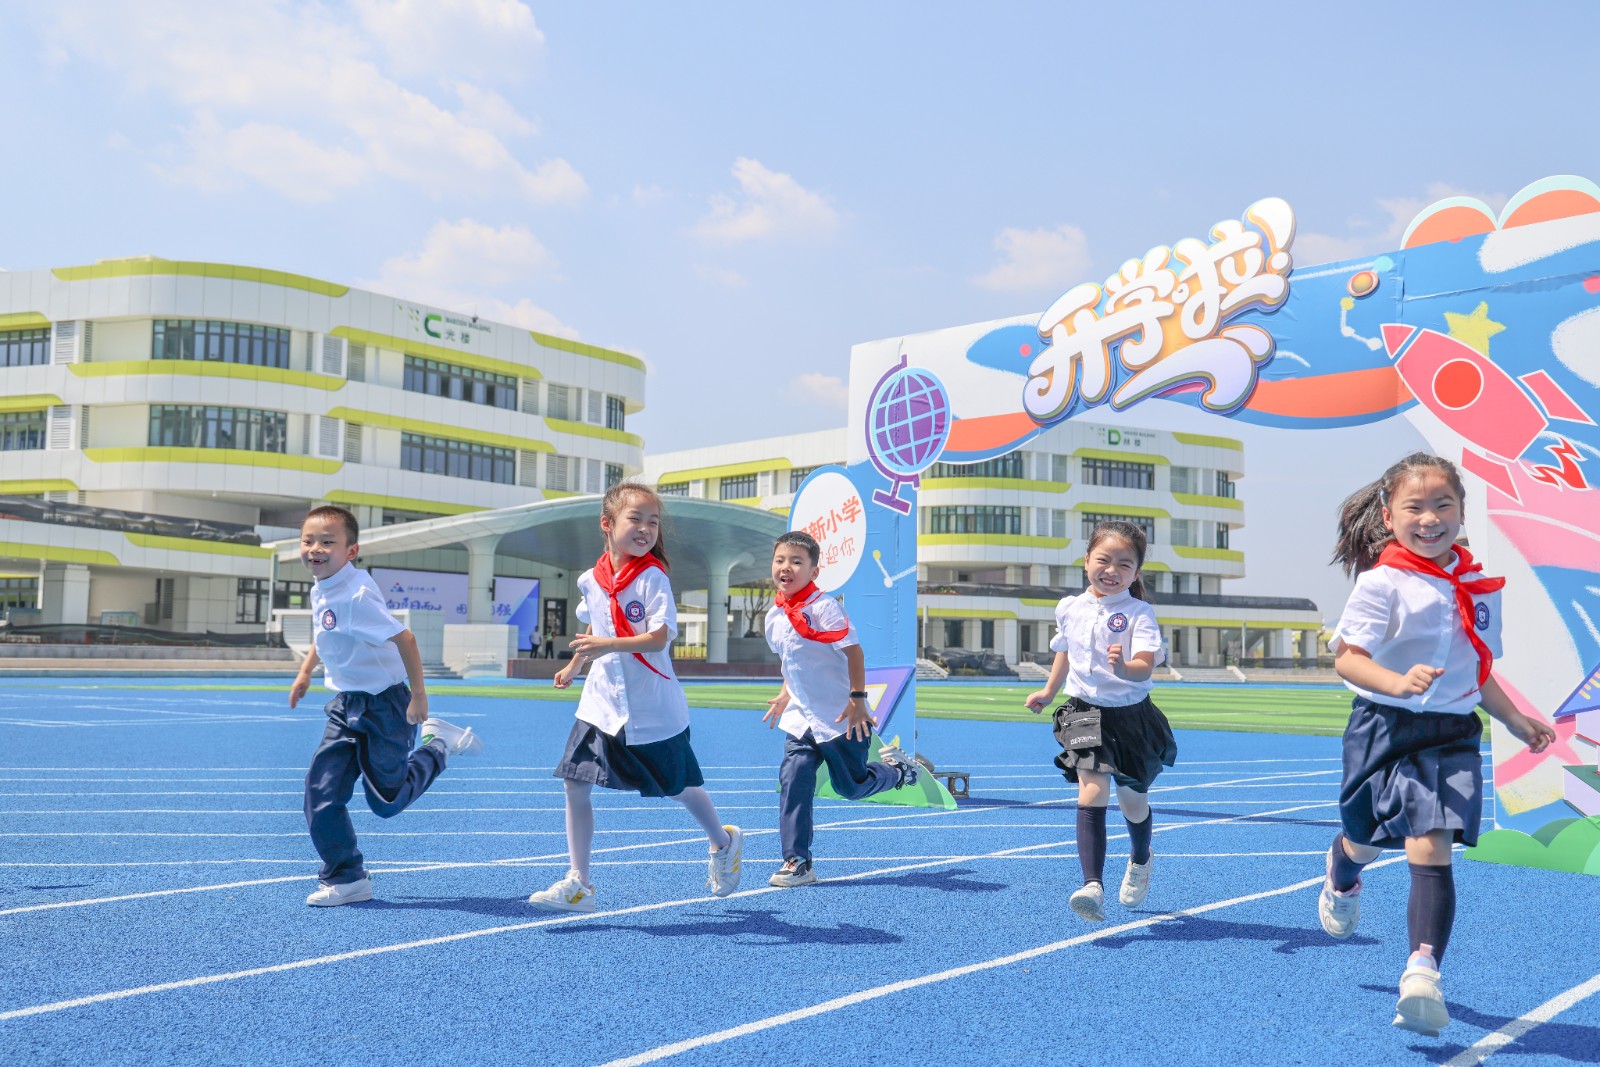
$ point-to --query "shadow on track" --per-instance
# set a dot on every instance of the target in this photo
(755, 926)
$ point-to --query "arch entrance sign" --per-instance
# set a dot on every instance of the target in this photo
(1477, 339)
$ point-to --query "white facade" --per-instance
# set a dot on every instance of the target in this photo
(244, 396)
(1000, 541)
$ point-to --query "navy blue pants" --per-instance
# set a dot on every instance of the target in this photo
(852, 776)
(367, 735)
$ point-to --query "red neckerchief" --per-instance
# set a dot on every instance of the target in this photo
(1401, 558)
(614, 583)
(791, 607)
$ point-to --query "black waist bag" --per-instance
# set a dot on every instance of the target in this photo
(1078, 726)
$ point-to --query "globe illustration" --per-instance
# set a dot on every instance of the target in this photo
(908, 423)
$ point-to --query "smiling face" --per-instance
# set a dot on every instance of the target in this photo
(792, 569)
(325, 546)
(1111, 565)
(1424, 513)
(634, 529)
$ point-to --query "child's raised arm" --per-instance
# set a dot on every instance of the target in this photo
(1136, 669)
(1356, 666)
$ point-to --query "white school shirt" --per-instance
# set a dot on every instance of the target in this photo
(1404, 618)
(351, 627)
(620, 691)
(815, 671)
(1087, 625)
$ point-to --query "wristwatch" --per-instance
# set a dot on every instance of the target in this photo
(858, 694)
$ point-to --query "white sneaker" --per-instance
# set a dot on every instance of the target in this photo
(569, 894)
(1420, 1008)
(1135, 883)
(456, 740)
(1338, 911)
(1089, 902)
(895, 756)
(331, 895)
(726, 865)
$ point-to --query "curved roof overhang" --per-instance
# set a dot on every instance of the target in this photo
(565, 533)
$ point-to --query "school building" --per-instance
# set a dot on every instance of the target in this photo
(1001, 541)
(162, 422)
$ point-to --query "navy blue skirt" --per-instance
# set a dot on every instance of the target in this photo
(1407, 773)
(1135, 743)
(658, 769)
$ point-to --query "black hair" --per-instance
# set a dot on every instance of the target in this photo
(1362, 531)
(334, 511)
(1128, 533)
(804, 540)
(616, 499)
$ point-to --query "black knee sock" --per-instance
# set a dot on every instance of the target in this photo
(1139, 837)
(1431, 911)
(1092, 843)
(1346, 871)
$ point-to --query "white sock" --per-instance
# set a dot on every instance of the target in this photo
(580, 827)
(698, 801)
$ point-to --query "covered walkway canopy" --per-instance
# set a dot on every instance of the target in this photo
(711, 545)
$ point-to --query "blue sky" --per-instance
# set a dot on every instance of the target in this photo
(740, 192)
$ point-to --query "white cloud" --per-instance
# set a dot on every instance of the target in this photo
(729, 279)
(1035, 260)
(769, 204)
(1364, 237)
(467, 266)
(321, 86)
(645, 195)
(458, 37)
(823, 388)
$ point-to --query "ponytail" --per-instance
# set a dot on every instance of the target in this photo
(1362, 531)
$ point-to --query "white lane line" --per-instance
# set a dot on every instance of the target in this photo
(662, 1052)
(97, 998)
(1489, 1044)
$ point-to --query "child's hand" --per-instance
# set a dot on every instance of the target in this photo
(417, 710)
(1532, 732)
(1416, 680)
(590, 645)
(564, 675)
(298, 688)
(1114, 659)
(860, 720)
(775, 709)
(1036, 701)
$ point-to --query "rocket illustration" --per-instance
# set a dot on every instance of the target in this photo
(1476, 398)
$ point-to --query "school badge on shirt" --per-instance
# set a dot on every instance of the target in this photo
(1480, 616)
(634, 611)
(329, 619)
(1117, 623)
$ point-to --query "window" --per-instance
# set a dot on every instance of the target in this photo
(954, 635)
(457, 459)
(1180, 582)
(798, 475)
(986, 634)
(740, 487)
(395, 516)
(558, 398)
(613, 474)
(616, 413)
(1224, 485)
(1183, 532)
(18, 593)
(673, 489)
(21, 429)
(460, 383)
(1119, 473)
(24, 348)
(250, 429)
(1222, 535)
(252, 601)
(1184, 479)
(288, 595)
(220, 342)
(1144, 522)
(974, 519)
(1006, 466)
